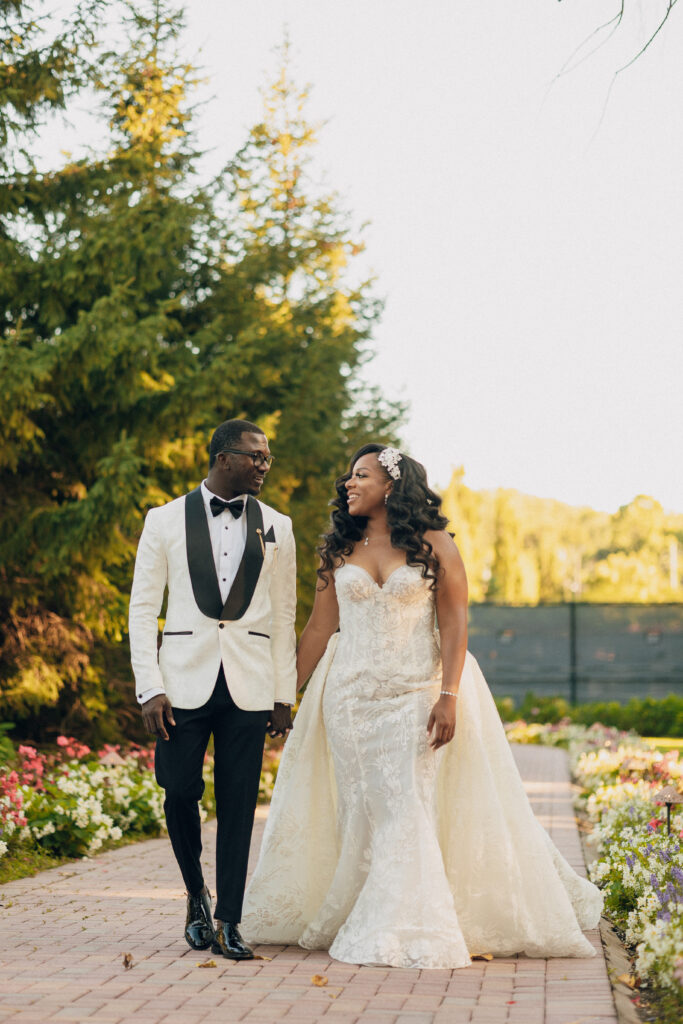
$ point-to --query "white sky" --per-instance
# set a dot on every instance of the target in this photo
(531, 268)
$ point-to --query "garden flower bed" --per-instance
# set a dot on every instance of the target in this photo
(71, 802)
(639, 864)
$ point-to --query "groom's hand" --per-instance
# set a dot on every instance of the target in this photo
(153, 712)
(280, 721)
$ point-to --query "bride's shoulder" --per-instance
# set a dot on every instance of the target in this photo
(441, 541)
(445, 549)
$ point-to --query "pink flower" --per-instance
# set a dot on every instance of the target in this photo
(654, 823)
(62, 741)
(678, 973)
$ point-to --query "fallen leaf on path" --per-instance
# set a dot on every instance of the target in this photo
(257, 956)
(319, 979)
(207, 963)
(128, 960)
(628, 979)
(482, 956)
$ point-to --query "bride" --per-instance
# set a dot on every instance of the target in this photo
(399, 832)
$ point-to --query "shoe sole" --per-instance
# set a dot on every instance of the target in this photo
(231, 956)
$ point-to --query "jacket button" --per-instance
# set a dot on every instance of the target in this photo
(221, 625)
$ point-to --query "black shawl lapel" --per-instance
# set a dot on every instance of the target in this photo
(200, 558)
(249, 570)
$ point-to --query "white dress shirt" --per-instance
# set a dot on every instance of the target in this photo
(228, 538)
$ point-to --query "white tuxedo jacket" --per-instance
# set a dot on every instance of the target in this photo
(252, 634)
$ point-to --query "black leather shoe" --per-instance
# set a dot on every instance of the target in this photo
(229, 942)
(199, 931)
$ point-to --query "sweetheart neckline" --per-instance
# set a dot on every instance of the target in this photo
(380, 586)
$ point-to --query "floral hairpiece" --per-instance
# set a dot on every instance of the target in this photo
(390, 458)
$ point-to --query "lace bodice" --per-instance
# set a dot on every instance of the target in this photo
(387, 631)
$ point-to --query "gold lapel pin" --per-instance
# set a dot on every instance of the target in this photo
(260, 537)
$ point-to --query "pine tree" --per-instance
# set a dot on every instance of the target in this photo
(506, 584)
(111, 256)
(284, 293)
(141, 311)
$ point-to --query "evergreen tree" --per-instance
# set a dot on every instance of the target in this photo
(98, 319)
(506, 585)
(467, 520)
(284, 295)
(137, 318)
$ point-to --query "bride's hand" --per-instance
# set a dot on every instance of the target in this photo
(442, 722)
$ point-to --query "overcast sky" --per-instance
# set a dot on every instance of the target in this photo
(530, 256)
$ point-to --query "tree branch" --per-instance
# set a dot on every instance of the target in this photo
(670, 5)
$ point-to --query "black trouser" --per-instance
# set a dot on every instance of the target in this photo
(238, 744)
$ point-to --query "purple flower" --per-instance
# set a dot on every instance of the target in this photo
(664, 856)
(677, 874)
(663, 915)
(631, 861)
(653, 880)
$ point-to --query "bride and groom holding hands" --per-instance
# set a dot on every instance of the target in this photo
(399, 832)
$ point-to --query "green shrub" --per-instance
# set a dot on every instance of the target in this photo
(6, 745)
(646, 716)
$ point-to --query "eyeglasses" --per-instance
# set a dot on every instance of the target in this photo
(258, 458)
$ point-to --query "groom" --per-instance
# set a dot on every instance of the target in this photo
(226, 665)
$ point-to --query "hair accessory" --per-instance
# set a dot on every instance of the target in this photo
(390, 458)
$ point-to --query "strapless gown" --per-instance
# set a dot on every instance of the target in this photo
(385, 852)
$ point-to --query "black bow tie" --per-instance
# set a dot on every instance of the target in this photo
(218, 505)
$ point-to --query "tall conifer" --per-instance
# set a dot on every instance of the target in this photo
(140, 310)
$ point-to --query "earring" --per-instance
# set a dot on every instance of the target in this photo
(386, 498)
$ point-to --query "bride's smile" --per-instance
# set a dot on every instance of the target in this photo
(367, 487)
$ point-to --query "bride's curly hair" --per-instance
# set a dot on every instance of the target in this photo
(412, 509)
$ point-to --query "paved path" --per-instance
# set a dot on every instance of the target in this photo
(64, 934)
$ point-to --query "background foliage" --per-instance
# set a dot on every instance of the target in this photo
(141, 307)
(520, 549)
(651, 717)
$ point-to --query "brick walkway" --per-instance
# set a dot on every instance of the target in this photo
(64, 934)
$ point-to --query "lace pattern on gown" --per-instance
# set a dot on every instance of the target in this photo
(385, 852)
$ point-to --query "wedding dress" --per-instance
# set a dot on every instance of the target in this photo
(384, 851)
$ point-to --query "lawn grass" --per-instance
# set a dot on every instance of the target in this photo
(27, 860)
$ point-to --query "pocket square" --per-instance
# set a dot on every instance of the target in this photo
(269, 535)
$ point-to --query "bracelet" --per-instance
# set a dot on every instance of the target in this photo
(448, 693)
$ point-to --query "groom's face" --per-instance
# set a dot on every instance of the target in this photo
(244, 474)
